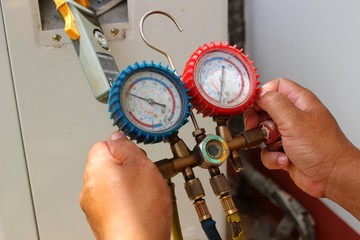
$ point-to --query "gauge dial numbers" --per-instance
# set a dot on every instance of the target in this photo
(152, 103)
(221, 80)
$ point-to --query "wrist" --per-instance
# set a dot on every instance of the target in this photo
(343, 183)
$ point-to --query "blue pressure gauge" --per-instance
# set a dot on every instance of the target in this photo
(148, 102)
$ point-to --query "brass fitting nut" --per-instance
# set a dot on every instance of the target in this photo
(202, 210)
(220, 185)
(228, 205)
(194, 189)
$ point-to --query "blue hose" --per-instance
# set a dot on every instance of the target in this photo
(210, 230)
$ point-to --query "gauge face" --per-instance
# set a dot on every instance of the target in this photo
(151, 101)
(222, 79)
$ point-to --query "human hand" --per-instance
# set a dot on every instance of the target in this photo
(315, 148)
(124, 196)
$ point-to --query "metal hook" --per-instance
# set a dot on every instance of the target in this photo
(151, 45)
(162, 51)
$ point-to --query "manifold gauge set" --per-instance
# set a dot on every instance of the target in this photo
(149, 103)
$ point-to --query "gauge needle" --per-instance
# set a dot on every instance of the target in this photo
(149, 100)
(221, 83)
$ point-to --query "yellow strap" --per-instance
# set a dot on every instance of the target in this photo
(84, 3)
(69, 19)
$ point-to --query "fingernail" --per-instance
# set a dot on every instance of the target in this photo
(263, 91)
(245, 118)
(117, 135)
(283, 160)
(246, 114)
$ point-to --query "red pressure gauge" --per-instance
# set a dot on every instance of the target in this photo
(221, 80)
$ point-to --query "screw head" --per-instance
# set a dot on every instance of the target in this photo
(56, 38)
(99, 36)
(114, 32)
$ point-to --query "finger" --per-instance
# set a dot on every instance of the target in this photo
(99, 157)
(301, 97)
(143, 151)
(256, 107)
(274, 160)
(99, 150)
(121, 148)
(280, 109)
(251, 119)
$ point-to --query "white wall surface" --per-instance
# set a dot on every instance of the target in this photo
(60, 119)
(317, 44)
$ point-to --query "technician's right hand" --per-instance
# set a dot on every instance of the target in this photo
(317, 155)
(124, 196)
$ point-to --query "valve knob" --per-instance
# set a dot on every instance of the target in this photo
(273, 136)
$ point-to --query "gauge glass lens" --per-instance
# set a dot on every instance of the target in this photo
(151, 101)
(222, 79)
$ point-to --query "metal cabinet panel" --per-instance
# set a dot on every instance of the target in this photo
(60, 119)
(17, 218)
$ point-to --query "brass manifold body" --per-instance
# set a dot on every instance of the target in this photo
(209, 153)
(184, 158)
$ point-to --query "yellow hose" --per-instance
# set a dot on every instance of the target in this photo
(234, 222)
(176, 228)
(176, 233)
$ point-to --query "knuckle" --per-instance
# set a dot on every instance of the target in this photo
(96, 149)
(82, 200)
(271, 97)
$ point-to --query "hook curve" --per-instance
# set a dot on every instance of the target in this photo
(153, 46)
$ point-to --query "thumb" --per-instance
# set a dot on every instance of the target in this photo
(279, 107)
(121, 148)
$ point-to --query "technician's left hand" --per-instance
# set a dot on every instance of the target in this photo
(124, 196)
